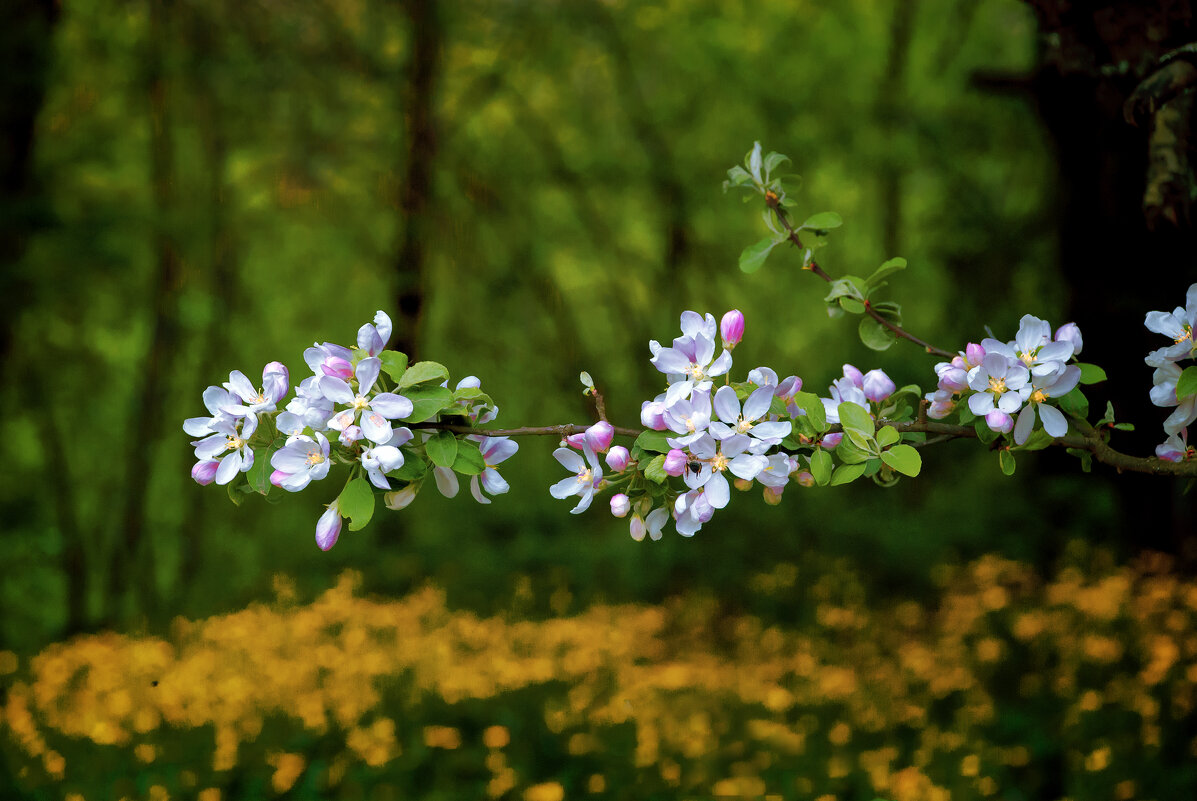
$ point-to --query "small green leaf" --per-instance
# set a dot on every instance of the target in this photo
(888, 268)
(1091, 373)
(442, 449)
(1006, 461)
(754, 255)
(815, 413)
(823, 220)
(847, 473)
(423, 372)
(904, 459)
(853, 416)
(736, 176)
(394, 364)
(820, 466)
(984, 433)
(427, 402)
(1037, 441)
(356, 502)
(414, 467)
(1108, 417)
(469, 461)
(1124, 426)
(1085, 456)
(851, 305)
(654, 441)
(236, 495)
(887, 436)
(1186, 385)
(655, 469)
(258, 476)
(874, 335)
(773, 160)
(1075, 403)
(851, 453)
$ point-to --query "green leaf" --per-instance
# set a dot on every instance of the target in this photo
(851, 305)
(773, 160)
(1037, 441)
(1108, 417)
(1006, 461)
(1085, 457)
(414, 467)
(442, 449)
(847, 473)
(356, 502)
(737, 176)
(904, 459)
(850, 453)
(984, 433)
(469, 461)
(815, 413)
(754, 255)
(394, 364)
(849, 286)
(823, 220)
(874, 335)
(655, 469)
(888, 268)
(1124, 426)
(855, 417)
(1091, 373)
(887, 436)
(654, 441)
(1075, 403)
(1186, 385)
(236, 495)
(258, 476)
(423, 372)
(427, 402)
(820, 466)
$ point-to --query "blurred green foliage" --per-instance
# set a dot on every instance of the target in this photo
(574, 211)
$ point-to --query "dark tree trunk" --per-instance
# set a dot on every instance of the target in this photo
(1127, 243)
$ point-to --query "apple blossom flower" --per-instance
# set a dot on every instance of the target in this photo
(1043, 387)
(1000, 383)
(495, 450)
(588, 475)
(304, 459)
(652, 415)
(215, 399)
(378, 460)
(274, 388)
(691, 359)
(1033, 346)
(375, 411)
(1178, 325)
(1175, 448)
(689, 417)
(854, 375)
(691, 510)
(229, 444)
(737, 421)
(372, 338)
(1163, 393)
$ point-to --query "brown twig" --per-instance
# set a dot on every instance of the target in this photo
(527, 431)
(773, 202)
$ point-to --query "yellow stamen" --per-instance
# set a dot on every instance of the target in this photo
(235, 443)
(997, 385)
(315, 458)
(361, 402)
(1038, 397)
(719, 463)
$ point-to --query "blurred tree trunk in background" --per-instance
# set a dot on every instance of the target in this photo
(419, 105)
(131, 560)
(1127, 241)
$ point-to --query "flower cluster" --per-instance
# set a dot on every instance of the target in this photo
(764, 429)
(1167, 379)
(1011, 384)
(346, 413)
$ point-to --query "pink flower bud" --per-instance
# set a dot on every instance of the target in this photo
(652, 415)
(1070, 333)
(831, 441)
(574, 441)
(337, 367)
(938, 410)
(877, 386)
(853, 375)
(805, 479)
(788, 386)
(275, 381)
(773, 495)
(204, 472)
(953, 379)
(618, 458)
(974, 354)
(599, 436)
(620, 505)
(731, 328)
(278, 477)
(637, 528)
(999, 421)
(328, 527)
(675, 462)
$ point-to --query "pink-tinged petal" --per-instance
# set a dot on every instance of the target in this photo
(277, 477)
(570, 460)
(727, 405)
(476, 491)
(599, 436)
(731, 328)
(446, 481)
(720, 365)
(369, 340)
(1054, 422)
(343, 420)
(229, 467)
(367, 373)
(382, 323)
(617, 458)
(401, 499)
(669, 360)
(717, 491)
(500, 449)
(1025, 424)
(204, 472)
(328, 528)
(336, 390)
(566, 487)
(239, 385)
(336, 367)
(772, 430)
(675, 463)
(376, 428)
(637, 528)
(216, 398)
(853, 374)
(494, 483)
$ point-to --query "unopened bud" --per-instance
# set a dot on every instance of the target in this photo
(620, 505)
(731, 328)
(831, 441)
(328, 527)
(1070, 333)
(974, 354)
(999, 421)
(877, 385)
(204, 472)
(599, 436)
(742, 484)
(652, 415)
(675, 462)
(618, 458)
(853, 375)
(773, 495)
